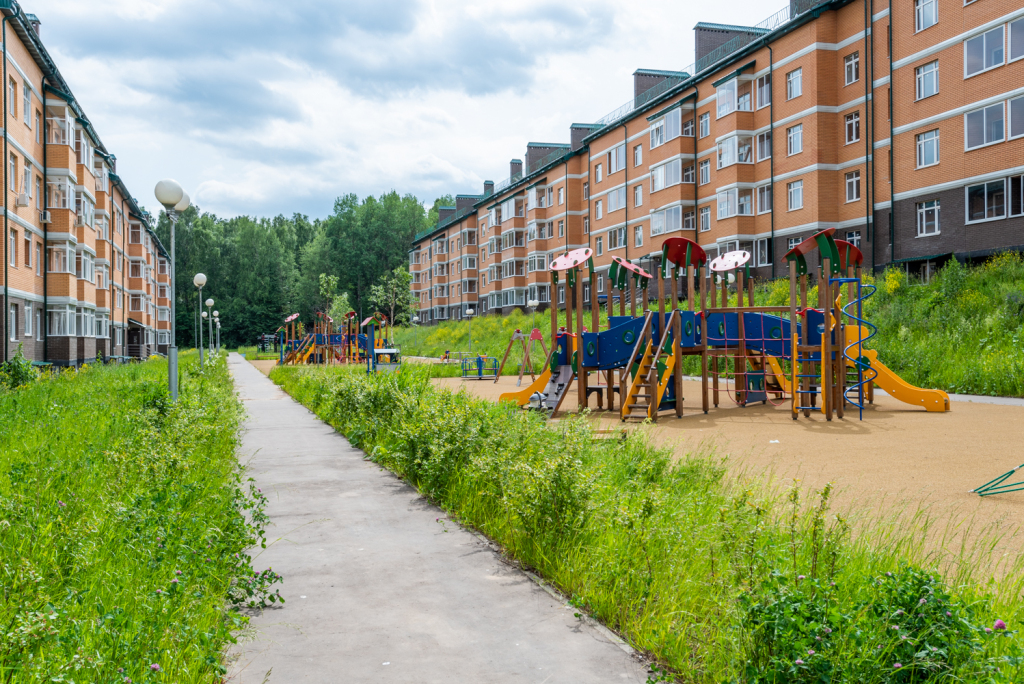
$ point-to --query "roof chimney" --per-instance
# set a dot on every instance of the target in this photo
(33, 20)
(444, 213)
(488, 188)
(515, 168)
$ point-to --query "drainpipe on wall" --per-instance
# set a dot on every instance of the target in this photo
(771, 137)
(7, 201)
(892, 171)
(871, 138)
(46, 235)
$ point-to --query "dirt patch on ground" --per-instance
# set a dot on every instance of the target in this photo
(897, 456)
(263, 366)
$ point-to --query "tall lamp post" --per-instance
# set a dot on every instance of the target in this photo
(216, 321)
(218, 336)
(209, 321)
(175, 200)
(199, 280)
(533, 304)
(469, 315)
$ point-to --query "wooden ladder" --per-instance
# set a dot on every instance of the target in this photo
(645, 392)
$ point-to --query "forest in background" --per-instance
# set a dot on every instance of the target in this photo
(261, 270)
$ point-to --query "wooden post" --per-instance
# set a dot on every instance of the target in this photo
(804, 335)
(824, 293)
(553, 302)
(702, 322)
(714, 357)
(794, 354)
(739, 361)
(677, 347)
(581, 372)
(632, 295)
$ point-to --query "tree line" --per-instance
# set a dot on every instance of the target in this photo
(260, 270)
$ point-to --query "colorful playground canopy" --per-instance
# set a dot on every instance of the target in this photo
(730, 261)
(632, 268)
(291, 318)
(683, 252)
(571, 259)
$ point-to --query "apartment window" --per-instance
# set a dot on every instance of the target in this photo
(1016, 31)
(638, 236)
(39, 127)
(638, 195)
(28, 250)
(764, 91)
(135, 269)
(737, 149)
(795, 139)
(638, 155)
(599, 173)
(792, 242)
(986, 201)
(688, 128)
(12, 97)
(928, 148)
(12, 325)
(983, 52)
(551, 198)
(853, 237)
(586, 225)
(764, 145)
(561, 294)
(705, 218)
(617, 199)
(852, 127)
(617, 158)
(586, 191)
(704, 121)
(688, 220)
(600, 209)
(39, 325)
(795, 191)
(39, 192)
(667, 128)
(735, 202)
(561, 229)
(617, 238)
(794, 84)
(853, 186)
(705, 172)
(12, 247)
(599, 245)
(26, 104)
(927, 78)
(13, 164)
(1017, 195)
(763, 252)
(851, 68)
(984, 126)
(688, 174)
(926, 13)
(666, 175)
(600, 284)
(1016, 117)
(561, 196)
(39, 258)
(928, 218)
(666, 221)
(764, 199)
(726, 98)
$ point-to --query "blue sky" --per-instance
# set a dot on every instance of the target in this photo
(262, 107)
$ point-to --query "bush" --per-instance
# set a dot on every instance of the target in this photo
(17, 372)
(717, 579)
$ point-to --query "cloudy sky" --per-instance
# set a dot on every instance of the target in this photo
(261, 107)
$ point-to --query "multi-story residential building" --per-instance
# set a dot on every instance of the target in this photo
(901, 127)
(83, 271)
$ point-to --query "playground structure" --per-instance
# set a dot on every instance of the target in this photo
(812, 357)
(525, 347)
(344, 344)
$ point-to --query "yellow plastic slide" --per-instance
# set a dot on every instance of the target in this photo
(522, 398)
(895, 386)
(780, 376)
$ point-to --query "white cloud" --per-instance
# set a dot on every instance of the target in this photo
(260, 107)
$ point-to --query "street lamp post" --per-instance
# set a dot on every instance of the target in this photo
(216, 320)
(199, 280)
(533, 304)
(209, 322)
(218, 336)
(170, 194)
(469, 315)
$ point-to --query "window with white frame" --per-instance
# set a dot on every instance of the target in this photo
(704, 121)
(792, 242)
(853, 186)
(795, 193)
(984, 126)
(926, 78)
(764, 90)
(688, 174)
(737, 149)
(926, 13)
(853, 237)
(735, 202)
(638, 195)
(1015, 29)
(599, 209)
(764, 145)
(599, 245)
(669, 127)
(795, 139)
(616, 238)
(586, 225)
(561, 196)
(763, 252)
(986, 201)
(586, 191)
(666, 175)
(469, 261)
(666, 221)
(600, 283)
(851, 67)
(928, 148)
(537, 262)
(1017, 196)
(689, 218)
(688, 128)
(617, 158)
(551, 195)
(638, 236)
(733, 95)
(852, 125)
(705, 218)
(617, 199)
(598, 173)
(794, 84)
(1016, 107)
(928, 218)
(764, 199)
(638, 155)
(561, 225)
(983, 52)
(705, 172)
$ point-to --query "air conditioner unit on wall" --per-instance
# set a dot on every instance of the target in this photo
(21, 200)
(44, 217)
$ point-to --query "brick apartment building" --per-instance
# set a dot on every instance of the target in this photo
(84, 275)
(903, 128)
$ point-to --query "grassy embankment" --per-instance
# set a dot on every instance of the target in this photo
(722, 580)
(124, 524)
(962, 332)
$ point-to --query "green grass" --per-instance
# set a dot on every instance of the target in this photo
(124, 524)
(252, 353)
(962, 332)
(721, 579)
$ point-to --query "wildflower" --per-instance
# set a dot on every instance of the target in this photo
(801, 577)
(895, 626)
(799, 662)
(177, 572)
(159, 591)
(999, 625)
(948, 614)
(154, 667)
(888, 574)
(120, 670)
(922, 602)
(61, 503)
(174, 581)
(828, 631)
(988, 630)
(899, 612)
(810, 652)
(897, 665)
(904, 637)
(817, 638)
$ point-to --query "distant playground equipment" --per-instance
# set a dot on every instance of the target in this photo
(329, 343)
(382, 355)
(811, 358)
(1000, 484)
(479, 368)
(525, 347)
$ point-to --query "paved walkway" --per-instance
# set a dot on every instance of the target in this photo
(377, 590)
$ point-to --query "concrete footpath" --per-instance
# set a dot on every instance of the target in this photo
(377, 589)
